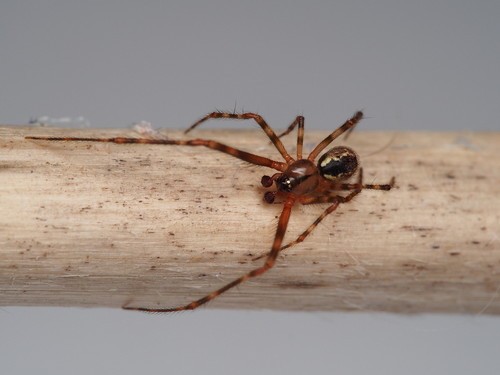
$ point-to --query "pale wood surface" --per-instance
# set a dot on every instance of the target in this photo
(85, 224)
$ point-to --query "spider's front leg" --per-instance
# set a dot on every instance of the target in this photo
(270, 261)
(248, 116)
(334, 199)
(214, 145)
(327, 197)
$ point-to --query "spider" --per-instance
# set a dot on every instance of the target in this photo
(297, 180)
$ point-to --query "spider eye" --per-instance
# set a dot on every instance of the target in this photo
(339, 163)
(286, 183)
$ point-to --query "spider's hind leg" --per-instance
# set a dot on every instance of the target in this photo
(345, 127)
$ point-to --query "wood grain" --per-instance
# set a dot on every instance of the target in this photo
(85, 224)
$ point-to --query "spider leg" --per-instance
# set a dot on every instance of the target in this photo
(349, 131)
(292, 126)
(336, 199)
(351, 123)
(388, 186)
(299, 120)
(243, 155)
(300, 137)
(330, 197)
(270, 261)
(308, 231)
(247, 116)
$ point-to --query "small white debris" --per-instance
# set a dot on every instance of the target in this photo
(73, 122)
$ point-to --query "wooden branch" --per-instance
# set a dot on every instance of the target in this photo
(87, 224)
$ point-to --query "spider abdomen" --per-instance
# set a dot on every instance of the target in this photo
(339, 163)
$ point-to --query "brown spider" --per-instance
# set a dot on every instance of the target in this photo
(298, 180)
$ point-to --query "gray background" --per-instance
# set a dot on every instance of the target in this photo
(420, 65)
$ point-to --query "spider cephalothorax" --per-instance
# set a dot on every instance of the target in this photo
(301, 177)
